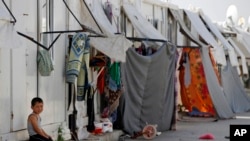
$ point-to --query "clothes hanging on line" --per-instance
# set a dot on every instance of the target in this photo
(44, 61)
(195, 95)
(76, 70)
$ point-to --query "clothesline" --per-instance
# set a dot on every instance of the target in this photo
(158, 40)
(145, 39)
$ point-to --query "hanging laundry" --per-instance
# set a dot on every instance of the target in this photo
(98, 61)
(101, 82)
(115, 74)
(76, 71)
(113, 91)
(45, 65)
(114, 100)
(195, 95)
(90, 109)
(78, 47)
(82, 82)
(141, 49)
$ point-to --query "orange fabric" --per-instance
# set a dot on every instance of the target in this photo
(196, 95)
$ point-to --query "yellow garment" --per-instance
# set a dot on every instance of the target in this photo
(196, 94)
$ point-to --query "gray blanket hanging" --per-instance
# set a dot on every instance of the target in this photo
(149, 83)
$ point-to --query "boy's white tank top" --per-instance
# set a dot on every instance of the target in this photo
(31, 130)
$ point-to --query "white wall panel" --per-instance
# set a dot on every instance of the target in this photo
(60, 91)
(5, 107)
(24, 63)
(147, 10)
(19, 97)
(158, 13)
(60, 56)
(52, 88)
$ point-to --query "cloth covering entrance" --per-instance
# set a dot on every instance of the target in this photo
(208, 86)
(220, 102)
(195, 95)
(222, 107)
(149, 83)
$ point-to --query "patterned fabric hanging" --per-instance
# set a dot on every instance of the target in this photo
(195, 96)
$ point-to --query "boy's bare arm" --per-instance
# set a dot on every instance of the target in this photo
(33, 120)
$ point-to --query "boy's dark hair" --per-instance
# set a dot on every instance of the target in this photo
(36, 100)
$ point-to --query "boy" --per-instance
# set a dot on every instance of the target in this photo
(36, 133)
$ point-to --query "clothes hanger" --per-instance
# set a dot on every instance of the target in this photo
(9, 12)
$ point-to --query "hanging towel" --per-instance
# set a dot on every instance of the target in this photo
(78, 47)
(45, 65)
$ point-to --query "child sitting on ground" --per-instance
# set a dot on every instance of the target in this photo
(36, 133)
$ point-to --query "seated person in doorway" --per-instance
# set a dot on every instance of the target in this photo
(36, 133)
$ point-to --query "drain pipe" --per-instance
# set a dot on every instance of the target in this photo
(38, 38)
(11, 83)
